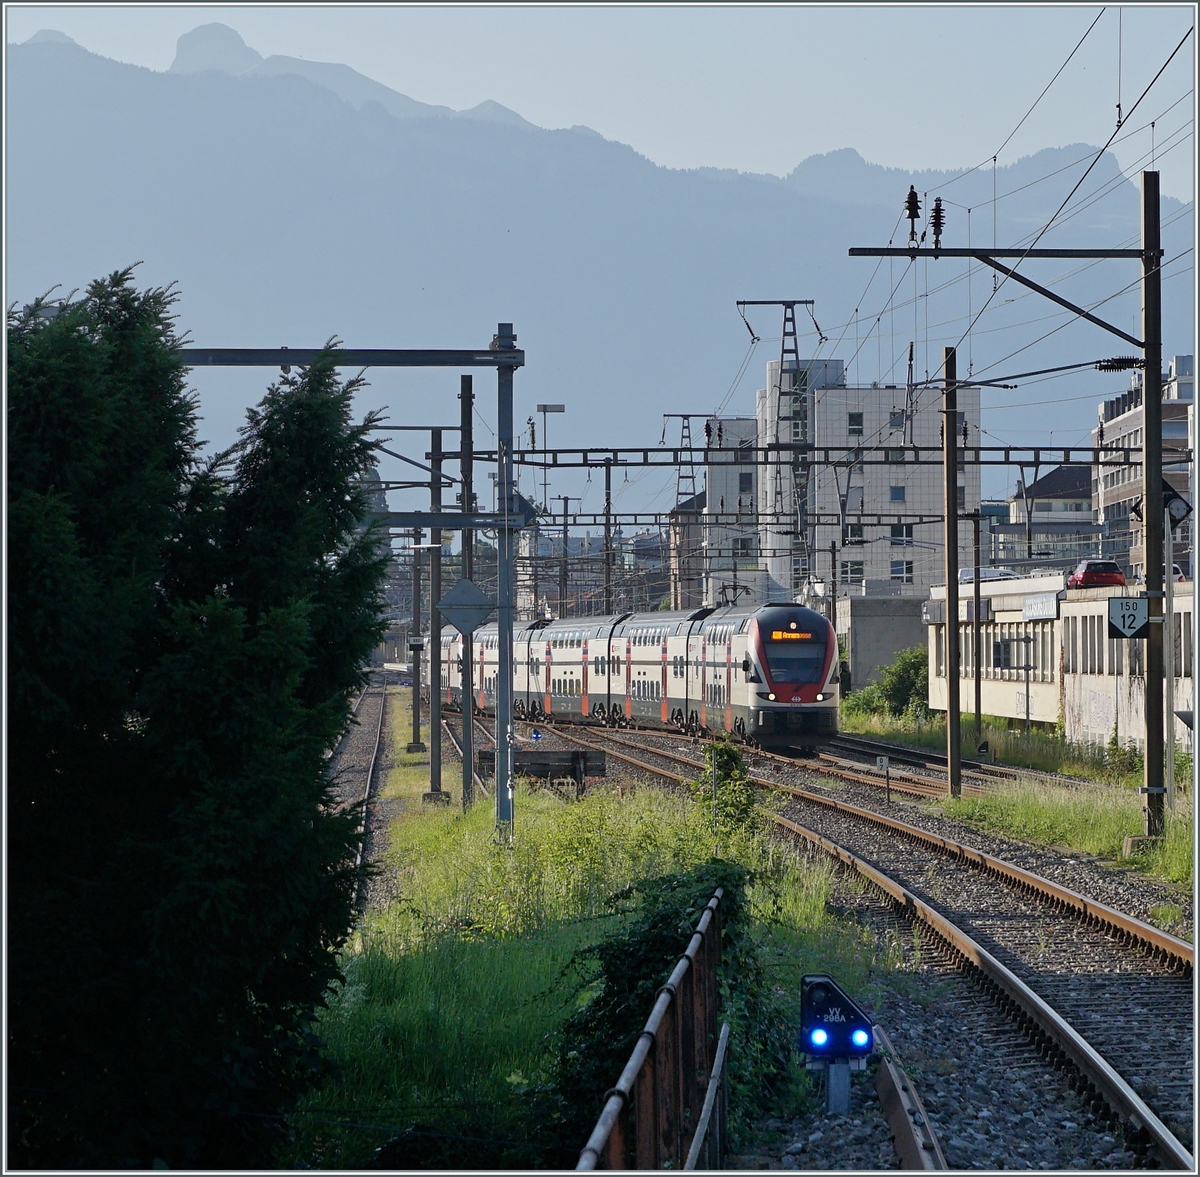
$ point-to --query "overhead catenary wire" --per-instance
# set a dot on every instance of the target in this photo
(1078, 183)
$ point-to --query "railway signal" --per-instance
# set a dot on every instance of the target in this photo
(835, 1035)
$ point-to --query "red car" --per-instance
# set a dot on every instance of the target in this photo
(1096, 573)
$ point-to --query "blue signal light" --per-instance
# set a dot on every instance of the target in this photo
(818, 1037)
(860, 1038)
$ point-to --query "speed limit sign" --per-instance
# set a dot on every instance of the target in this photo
(1128, 617)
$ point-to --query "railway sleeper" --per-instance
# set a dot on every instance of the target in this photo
(1138, 1140)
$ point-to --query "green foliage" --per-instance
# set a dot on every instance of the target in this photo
(445, 1040)
(185, 640)
(732, 809)
(625, 970)
(1093, 820)
(1122, 761)
(903, 688)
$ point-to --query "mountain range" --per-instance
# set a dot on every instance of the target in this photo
(293, 201)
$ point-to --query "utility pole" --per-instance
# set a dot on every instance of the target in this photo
(562, 570)
(1150, 255)
(833, 584)
(415, 641)
(466, 456)
(608, 597)
(1169, 661)
(504, 340)
(950, 467)
(976, 519)
(1152, 502)
(435, 794)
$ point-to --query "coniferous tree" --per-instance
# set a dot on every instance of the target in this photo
(184, 640)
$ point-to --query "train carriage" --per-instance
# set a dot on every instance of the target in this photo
(767, 674)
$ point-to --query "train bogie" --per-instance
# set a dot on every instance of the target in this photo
(767, 674)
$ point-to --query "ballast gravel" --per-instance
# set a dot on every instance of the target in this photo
(1111, 883)
(992, 1101)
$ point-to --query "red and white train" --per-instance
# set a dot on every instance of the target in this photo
(768, 674)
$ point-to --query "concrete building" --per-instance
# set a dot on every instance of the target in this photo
(1093, 684)
(730, 537)
(1117, 489)
(1049, 523)
(686, 552)
(873, 630)
(902, 558)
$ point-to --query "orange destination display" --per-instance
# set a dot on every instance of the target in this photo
(783, 635)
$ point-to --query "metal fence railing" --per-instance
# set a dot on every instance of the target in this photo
(668, 1103)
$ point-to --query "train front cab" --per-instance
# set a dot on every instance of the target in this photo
(792, 652)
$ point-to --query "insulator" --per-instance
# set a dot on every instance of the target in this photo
(912, 204)
(1120, 364)
(937, 221)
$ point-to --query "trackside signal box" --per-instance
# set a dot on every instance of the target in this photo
(835, 1037)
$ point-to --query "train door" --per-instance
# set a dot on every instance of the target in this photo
(663, 710)
(583, 689)
(629, 676)
(728, 678)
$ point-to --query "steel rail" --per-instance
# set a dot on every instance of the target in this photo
(1160, 943)
(1123, 1100)
(458, 750)
(1179, 953)
(930, 758)
(366, 798)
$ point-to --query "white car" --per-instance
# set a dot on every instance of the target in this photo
(967, 575)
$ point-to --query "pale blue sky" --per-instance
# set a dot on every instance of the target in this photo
(753, 88)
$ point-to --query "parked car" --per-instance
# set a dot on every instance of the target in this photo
(1096, 574)
(967, 575)
(1177, 572)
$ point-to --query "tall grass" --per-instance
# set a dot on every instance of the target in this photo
(446, 1026)
(1094, 821)
(1039, 750)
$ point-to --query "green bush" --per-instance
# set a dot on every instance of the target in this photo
(732, 810)
(903, 688)
(185, 638)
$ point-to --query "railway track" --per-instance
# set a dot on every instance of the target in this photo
(456, 744)
(352, 766)
(978, 771)
(1092, 989)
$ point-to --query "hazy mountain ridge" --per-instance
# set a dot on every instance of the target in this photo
(218, 47)
(287, 214)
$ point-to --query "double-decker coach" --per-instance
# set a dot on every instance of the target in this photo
(767, 674)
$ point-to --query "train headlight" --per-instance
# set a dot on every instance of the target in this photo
(771, 696)
(820, 698)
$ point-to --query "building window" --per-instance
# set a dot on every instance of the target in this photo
(962, 496)
(896, 420)
(902, 533)
(896, 494)
(855, 425)
(854, 534)
(1043, 506)
(853, 569)
(746, 482)
(893, 455)
(902, 570)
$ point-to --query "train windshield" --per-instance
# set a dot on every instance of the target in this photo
(795, 642)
